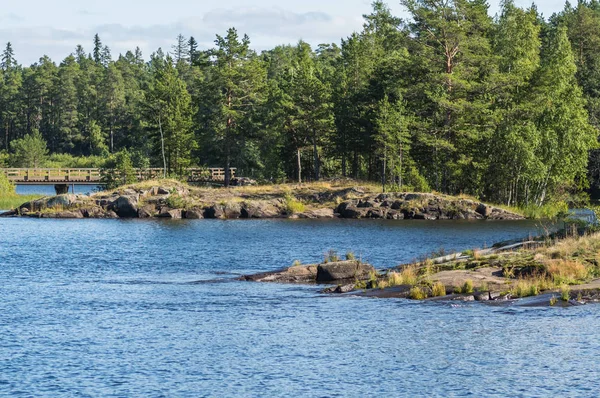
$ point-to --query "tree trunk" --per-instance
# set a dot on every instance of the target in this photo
(299, 166)
(316, 154)
(162, 142)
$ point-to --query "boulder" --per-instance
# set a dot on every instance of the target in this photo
(63, 214)
(484, 210)
(194, 214)
(261, 209)
(343, 270)
(125, 207)
(147, 211)
(296, 274)
(353, 212)
(232, 211)
(317, 214)
(215, 211)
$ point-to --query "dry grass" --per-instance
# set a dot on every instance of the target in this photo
(417, 293)
(408, 276)
(567, 271)
(439, 290)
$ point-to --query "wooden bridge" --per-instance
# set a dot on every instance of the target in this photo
(94, 176)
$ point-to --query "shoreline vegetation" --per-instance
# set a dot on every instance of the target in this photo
(344, 199)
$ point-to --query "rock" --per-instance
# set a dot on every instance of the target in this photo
(232, 211)
(64, 215)
(317, 213)
(176, 214)
(194, 214)
(148, 211)
(367, 204)
(296, 274)
(261, 209)
(345, 289)
(163, 191)
(125, 207)
(343, 270)
(353, 212)
(10, 213)
(377, 213)
(395, 215)
(213, 212)
(482, 296)
(484, 210)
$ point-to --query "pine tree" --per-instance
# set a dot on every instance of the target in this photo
(236, 84)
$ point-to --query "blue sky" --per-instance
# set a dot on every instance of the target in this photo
(37, 27)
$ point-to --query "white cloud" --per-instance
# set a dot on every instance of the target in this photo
(266, 28)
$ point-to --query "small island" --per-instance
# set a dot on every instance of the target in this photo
(176, 200)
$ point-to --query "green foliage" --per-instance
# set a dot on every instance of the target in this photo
(350, 256)
(417, 293)
(565, 293)
(176, 201)
(504, 109)
(332, 256)
(6, 187)
(29, 151)
(293, 206)
(439, 290)
(468, 287)
(119, 171)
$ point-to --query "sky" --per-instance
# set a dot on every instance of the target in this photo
(55, 28)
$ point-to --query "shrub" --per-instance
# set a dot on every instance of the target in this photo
(6, 187)
(439, 290)
(350, 256)
(297, 263)
(416, 293)
(176, 201)
(468, 287)
(565, 293)
(293, 206)
(332, 256)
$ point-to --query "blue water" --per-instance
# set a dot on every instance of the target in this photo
(49, 189)
(109, 308)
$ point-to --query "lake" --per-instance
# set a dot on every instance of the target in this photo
(117, 308)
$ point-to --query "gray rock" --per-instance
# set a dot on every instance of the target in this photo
(484, 210)
(353, 212)
(343, 270)
(126, 207)
(194, 214)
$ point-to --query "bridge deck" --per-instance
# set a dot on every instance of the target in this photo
(94, 176)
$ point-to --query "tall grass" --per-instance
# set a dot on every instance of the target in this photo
(12, 201)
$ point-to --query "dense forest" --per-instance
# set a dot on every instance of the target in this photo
(505, 108)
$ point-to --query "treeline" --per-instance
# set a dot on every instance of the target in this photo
(505, 108)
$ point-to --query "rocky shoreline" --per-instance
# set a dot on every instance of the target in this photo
(179, 201)
(517, 274)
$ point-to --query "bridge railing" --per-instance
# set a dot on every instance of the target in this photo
(92, 175)
(53, 175)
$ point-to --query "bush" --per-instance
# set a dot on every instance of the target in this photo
(416, 293)
(119, 171)
(6, 187)
(293, 206)
(439, 290)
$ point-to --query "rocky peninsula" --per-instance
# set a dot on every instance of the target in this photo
(558, 271)
(174, 200)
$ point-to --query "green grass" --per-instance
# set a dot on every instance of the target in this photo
(8, 202)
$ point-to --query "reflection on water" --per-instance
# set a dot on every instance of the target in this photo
(116, 308)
